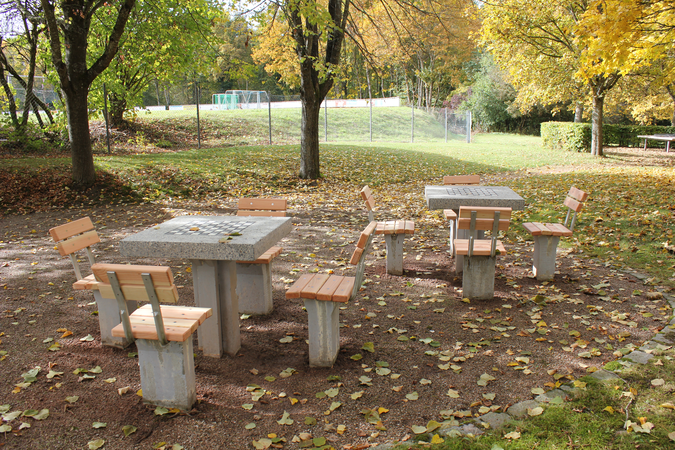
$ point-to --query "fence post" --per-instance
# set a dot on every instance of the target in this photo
(105, 113)
(325, 118)
(412, 122)
(468, 127)
(446, 124)
(199, 133)
(269, 115)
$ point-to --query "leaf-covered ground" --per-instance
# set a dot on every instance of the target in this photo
(413, 352)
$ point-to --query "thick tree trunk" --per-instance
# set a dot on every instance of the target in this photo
(309, 144)
(596, 125)
(579, 113)
(80, 142)
(118, 104)
(670, 88)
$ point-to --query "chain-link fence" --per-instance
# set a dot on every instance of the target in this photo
(277, 119)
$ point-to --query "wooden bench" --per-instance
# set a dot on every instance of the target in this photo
(322, 295)
(71, 238)
(254, 278)
(479, 255)
(450, 214)
(163, 333)
(547, 235)
(393, 231)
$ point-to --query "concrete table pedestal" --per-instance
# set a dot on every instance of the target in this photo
(478, 281)
(543, 260)
(167, 373)
(254, 288)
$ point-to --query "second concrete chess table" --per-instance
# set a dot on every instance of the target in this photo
(213, 244)
(452, 197)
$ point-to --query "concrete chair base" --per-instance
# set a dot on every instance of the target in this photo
(324, 332)
(543, 264)
(167, 373)
(254, 288)
(108, 318)
(478, 280)
(394, 244)
(459, 259)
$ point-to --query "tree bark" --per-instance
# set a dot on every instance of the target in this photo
(596, 125)
(75, 77)
(579, 113)
(81, 154)
(670, 88)
(315, 83)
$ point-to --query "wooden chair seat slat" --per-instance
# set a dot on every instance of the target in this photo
(481, 247)
(266, 257)
(296, 289)
(329, 287)
(247, 205)
(171, 312)
(449, 214)
(314, 285)
(86, 283)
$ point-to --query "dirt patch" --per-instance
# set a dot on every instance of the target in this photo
(426, 340)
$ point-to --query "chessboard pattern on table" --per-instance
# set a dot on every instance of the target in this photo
(210, 228)
(473, 191)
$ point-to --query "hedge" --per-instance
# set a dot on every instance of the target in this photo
(577, 136)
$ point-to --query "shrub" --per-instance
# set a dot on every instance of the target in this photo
(566, 136)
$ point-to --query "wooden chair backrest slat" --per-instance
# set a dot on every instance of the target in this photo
(77, 243)
(573, 204)
(131, 274)
(71, 229)
(577, 194)
(574, 201)
(359, 255)
(461, 179)
(485, 218)
(367, 196)
(262, 207)
(262, 213)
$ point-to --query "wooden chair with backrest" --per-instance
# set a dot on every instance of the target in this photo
(450, 214)
(393, 231)
(323, 294)
(547, 235)
(70, 239)
(254, 278)
(163, 333)
(479, 255)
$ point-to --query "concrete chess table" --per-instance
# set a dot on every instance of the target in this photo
(204, 241)
(452, 197)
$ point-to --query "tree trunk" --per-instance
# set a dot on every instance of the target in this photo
(670, 88)
(118, 104)
(596, 124)
(579, 113)
(309, 144)
(80, 142)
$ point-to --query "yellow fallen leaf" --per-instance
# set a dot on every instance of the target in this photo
(436, 439)
(382, 410)
(667, 405)
(67, 333)
(609, 409)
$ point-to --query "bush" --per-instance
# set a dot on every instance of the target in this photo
(566, 136)
(577, 136)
